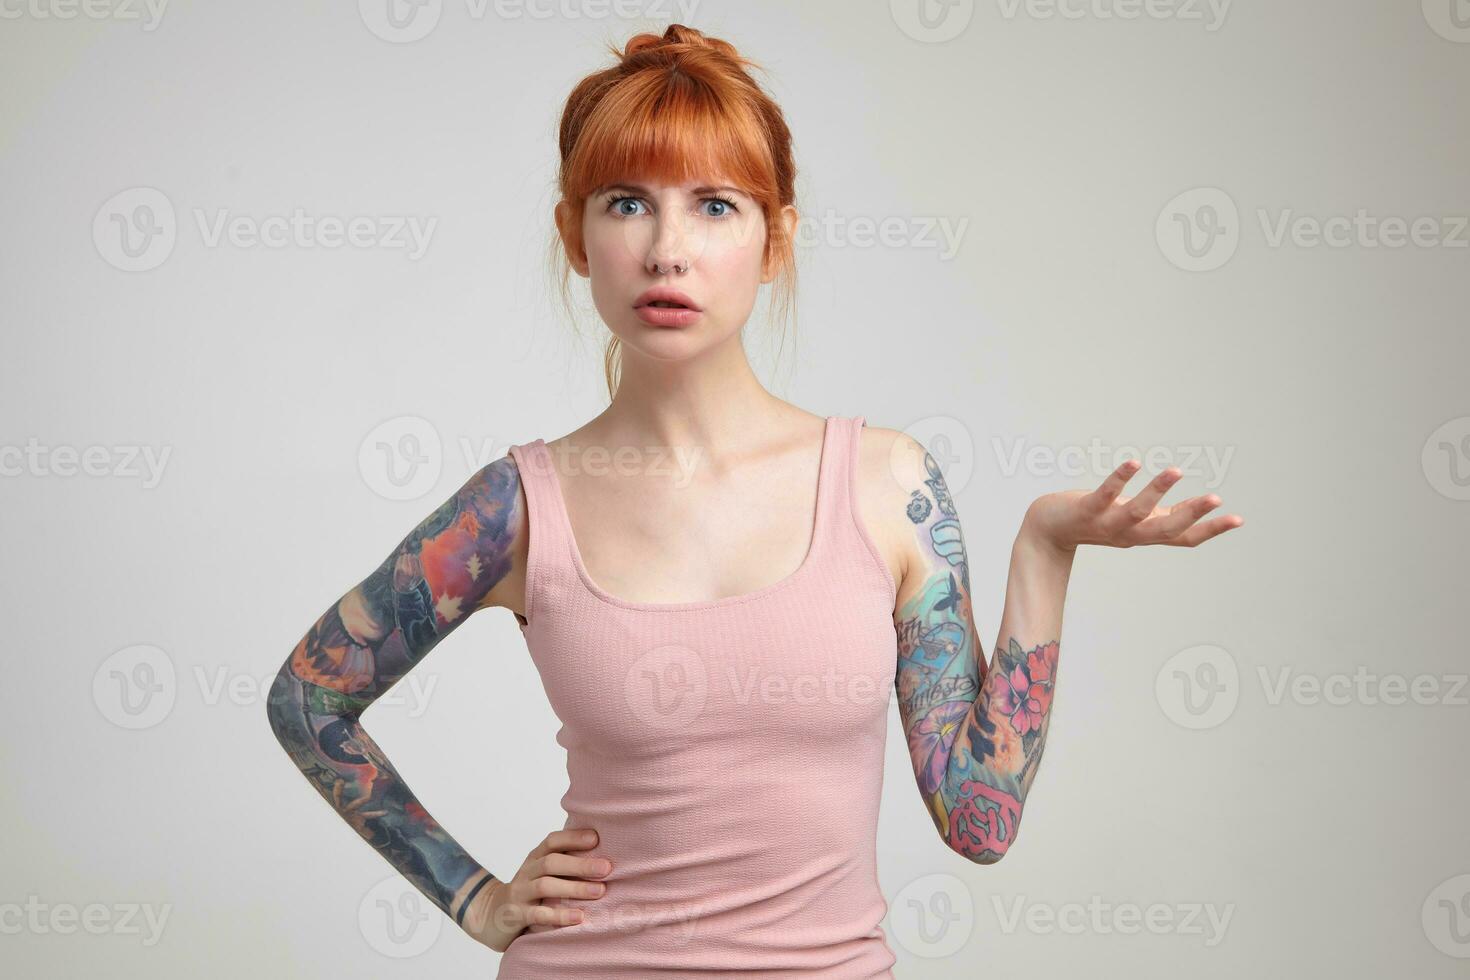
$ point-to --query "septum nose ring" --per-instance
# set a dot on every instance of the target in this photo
(662, 270)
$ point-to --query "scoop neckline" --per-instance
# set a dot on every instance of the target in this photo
(819, 522)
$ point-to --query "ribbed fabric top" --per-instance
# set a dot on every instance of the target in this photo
(728, 752)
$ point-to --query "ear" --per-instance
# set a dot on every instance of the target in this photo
(571, 238)
(788, 218)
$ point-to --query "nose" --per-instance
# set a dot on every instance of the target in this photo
(669, 249)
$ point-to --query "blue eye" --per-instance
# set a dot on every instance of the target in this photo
(726, 207)
(617, 202)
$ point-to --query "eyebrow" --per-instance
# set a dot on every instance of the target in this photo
(636, 189)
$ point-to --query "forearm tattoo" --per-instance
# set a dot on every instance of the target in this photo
(368, 640)
(975, 732)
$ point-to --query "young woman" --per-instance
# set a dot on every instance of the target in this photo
(718, 589)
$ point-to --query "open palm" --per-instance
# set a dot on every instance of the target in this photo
(1101, 516)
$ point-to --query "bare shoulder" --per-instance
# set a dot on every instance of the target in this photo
(496, 499)
(891, 467)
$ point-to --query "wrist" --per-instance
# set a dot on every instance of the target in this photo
(475, 891)
(1033, 540)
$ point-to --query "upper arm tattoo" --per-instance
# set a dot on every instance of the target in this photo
(364, 643)
(975, 731)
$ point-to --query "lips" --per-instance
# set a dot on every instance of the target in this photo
(662, 297)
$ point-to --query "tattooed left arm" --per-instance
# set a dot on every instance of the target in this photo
(975, 730)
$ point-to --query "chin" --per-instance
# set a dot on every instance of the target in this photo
(667, 343)
(663, 344)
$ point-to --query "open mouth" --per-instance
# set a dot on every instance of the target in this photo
(664, 298)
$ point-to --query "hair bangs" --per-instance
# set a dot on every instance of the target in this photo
(672, 130)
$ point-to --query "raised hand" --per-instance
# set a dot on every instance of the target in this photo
(1072, 517)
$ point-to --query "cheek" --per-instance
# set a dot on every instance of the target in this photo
(613, 247)
(735, 258)
(614, 263)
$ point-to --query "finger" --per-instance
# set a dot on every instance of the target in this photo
(569, 866)
(549, 886)
(1203, 532)
(1142, 506)
(553, 915)
(1178, 519)
(580, 839)
(1108, 490)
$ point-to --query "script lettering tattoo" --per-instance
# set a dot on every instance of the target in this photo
(369, 639)
(975, 730)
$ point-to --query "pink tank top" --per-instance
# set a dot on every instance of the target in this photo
(729, 752)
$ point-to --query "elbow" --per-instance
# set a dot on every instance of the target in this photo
(982, 837)
(282, 710)
(989, 853)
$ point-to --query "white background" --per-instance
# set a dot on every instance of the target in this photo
(1328, 832)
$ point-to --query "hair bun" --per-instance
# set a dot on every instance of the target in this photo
(675, 39)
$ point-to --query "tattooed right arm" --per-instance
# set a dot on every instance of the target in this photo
(447, 567)
(976, 731)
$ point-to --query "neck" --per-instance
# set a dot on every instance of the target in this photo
(708, 400)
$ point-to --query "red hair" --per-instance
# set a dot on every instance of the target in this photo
(676, 108)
